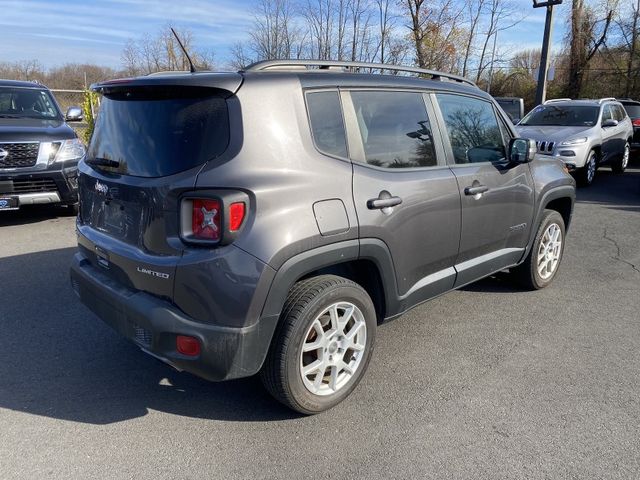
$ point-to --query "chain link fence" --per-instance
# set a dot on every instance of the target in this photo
(71, 98)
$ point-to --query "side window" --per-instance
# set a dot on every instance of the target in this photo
(395, 129)
(606, 113)
(327, 126)
(474, 131)
(621, 114)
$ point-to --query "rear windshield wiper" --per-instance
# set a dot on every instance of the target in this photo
(102, 162)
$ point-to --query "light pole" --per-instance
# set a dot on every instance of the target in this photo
(541, 91)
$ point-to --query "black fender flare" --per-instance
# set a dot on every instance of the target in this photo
(563, 191)
(299, 265)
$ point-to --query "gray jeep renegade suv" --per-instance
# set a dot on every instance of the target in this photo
(267, 220)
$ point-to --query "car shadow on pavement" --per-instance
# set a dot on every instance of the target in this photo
(616, 191)
(59, 360)
(32, 214)
(497, 283)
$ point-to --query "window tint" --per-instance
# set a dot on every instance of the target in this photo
(395, 129)
(606, 113)
(158, 131)
(473, 129)
(327, 127)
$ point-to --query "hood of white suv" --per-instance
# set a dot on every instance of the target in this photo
(554, 133)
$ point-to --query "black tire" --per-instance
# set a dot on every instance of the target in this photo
(527, 274)
(620, 165)
(72, 210)
(585, 175)
(281, 373)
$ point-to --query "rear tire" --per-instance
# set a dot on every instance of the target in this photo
(542, 264)
(586, 174)
(322, 346)
(619, 166)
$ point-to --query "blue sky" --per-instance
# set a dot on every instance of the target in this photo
(55, 32)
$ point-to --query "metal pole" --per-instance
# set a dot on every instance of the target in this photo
(541, 91)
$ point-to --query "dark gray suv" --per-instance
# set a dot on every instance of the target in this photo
(268, 220)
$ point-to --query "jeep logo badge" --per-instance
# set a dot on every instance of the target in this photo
(3, 154)
(101, 188)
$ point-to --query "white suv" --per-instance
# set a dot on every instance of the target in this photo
(581, 133)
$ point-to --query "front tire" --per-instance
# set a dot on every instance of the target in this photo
(542, 264)
(587, 173)
(322, 346)
(619, 166)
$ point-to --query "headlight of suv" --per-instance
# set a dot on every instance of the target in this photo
(575, 141)
(69, 150)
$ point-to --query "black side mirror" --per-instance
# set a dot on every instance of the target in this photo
(74, 114)
(521, 150)
(610, 123)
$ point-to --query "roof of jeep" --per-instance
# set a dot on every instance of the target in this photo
(232, 81)
(21, 84)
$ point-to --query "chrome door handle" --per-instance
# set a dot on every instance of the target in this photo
(476, 190)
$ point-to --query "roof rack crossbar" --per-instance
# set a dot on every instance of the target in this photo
(553, 100)
(327, 64)
(608, 99)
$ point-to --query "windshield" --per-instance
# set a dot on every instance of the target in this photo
(20, 102)
(565, 116)
(158, 131)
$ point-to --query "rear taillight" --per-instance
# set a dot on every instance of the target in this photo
(636, 122)
(236, 216)
(213, 217)
(205, 219)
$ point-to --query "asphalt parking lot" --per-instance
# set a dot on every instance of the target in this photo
(487, 382)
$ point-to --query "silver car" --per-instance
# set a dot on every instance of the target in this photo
(581, 133)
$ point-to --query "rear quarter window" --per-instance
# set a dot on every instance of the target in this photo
(327, 125)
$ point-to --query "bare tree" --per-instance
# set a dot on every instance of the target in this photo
(162, 52)
(588, 33)
(475, 9)
(502, 16)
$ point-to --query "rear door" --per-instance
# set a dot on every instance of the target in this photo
(497, 197)
(148, 146)
(404, 193)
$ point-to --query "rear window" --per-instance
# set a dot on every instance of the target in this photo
(632, 110)
(154, 132)
(512, 107)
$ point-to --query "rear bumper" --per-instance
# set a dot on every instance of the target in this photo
(153, 324)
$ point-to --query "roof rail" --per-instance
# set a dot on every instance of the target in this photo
(608, 99)
(553, 100)
(331, 64)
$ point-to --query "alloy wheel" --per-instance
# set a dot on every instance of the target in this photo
(333, 348)
(549, 251)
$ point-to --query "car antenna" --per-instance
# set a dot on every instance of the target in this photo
(192, 69)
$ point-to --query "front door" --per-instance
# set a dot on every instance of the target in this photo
(404, 193)
(497, 196)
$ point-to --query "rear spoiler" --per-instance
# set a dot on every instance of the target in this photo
(229, 82)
